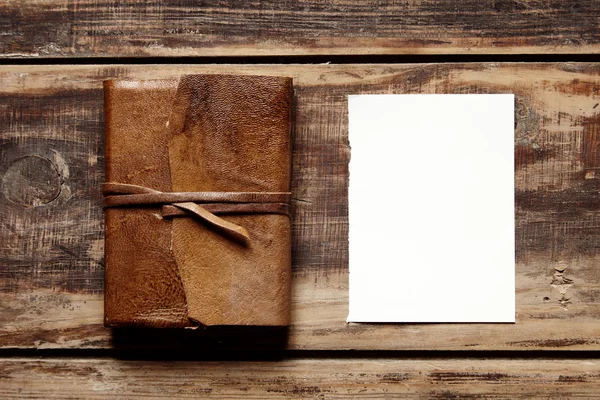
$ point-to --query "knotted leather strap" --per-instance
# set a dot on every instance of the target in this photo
(185, 203)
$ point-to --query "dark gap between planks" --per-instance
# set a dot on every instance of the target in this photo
(317, 59)
(280, 355)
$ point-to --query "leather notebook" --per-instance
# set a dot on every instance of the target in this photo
(197, 215)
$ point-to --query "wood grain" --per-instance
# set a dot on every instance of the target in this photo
(311, 378)
(103, 28)
(51, 247)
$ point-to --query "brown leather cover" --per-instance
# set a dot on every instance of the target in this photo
(165, 267)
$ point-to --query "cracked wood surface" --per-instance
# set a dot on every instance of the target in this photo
(80, 28)
(51, 242)
(309, 378)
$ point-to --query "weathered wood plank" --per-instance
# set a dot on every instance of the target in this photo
(51, 247)
(310, 378)
(67, 28)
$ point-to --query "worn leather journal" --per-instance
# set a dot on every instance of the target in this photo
(196, 198)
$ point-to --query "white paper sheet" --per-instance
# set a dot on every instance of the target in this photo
(431, 208)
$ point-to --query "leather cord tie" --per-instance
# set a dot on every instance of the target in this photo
(186, 203)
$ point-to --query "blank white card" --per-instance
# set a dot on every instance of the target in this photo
(431, 208)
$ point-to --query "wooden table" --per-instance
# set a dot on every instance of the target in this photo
(56, 53)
